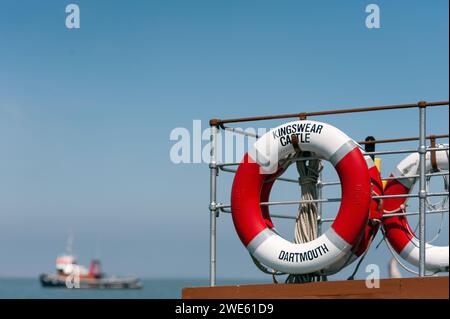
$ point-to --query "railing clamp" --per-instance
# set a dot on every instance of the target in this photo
(213, 206)
(422, 104)
(214, 122)
(422, 149)
(423, 194)
(213, 165)
(433, 158)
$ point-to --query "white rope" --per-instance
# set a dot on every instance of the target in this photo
(306, 223)
(442, 205)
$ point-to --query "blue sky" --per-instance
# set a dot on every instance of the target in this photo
(85, 115)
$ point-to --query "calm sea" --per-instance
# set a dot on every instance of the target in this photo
(152, 288)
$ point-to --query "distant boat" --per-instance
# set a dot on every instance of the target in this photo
(71, 275)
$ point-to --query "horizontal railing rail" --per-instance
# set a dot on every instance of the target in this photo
(330, 220)
(303, 115)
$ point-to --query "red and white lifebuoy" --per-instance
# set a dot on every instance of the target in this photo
(254, 179)
(398, 232)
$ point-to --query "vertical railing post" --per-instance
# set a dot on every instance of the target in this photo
(422, 187)
(319, 204)
(213, 203)
(370, 147)
(319, 186)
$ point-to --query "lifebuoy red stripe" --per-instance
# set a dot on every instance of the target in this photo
(247, 216)
(356, 196)
(375, 215)
(396, 227)
(265, 196)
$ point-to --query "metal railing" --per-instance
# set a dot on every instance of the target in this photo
(216, 207)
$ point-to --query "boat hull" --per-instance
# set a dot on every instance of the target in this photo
(57, 281)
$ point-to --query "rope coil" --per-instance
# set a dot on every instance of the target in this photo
(306, 228)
